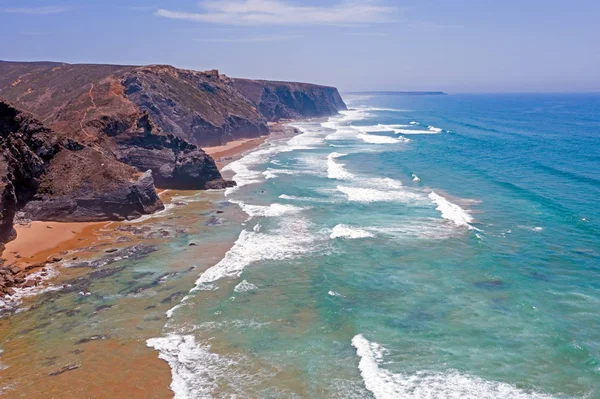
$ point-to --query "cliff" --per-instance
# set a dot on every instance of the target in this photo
(286, 100)
(201, 108)
(94, 139)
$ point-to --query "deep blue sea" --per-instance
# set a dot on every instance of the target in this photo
(411, 247)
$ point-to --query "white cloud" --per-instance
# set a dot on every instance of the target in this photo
(252, 39)
(279, 12)
(35, 10)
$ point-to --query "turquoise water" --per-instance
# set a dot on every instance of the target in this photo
(412, 247)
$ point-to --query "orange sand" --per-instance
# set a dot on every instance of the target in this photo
(38, 241)
(233, 149)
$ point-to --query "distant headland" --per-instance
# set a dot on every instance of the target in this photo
(401, 93)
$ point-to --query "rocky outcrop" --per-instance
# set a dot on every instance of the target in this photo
(89, 186)
(51, 177)
(174, 162)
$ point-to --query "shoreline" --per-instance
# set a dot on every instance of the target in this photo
(54, 245)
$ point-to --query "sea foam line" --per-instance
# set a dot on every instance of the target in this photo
(452, 212)
(424, 384)
(375, 139)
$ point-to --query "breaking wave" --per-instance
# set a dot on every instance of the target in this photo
(384, 384)
(344, 231)
(336, 170)
(452, 212)
(375, 139)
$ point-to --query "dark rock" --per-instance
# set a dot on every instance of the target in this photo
(192, 244)
(64, 370)
(30, 283)
(111, 250)
(490, 284)
(174, 296)
(220, 184)
(213, 221)
(90, 339)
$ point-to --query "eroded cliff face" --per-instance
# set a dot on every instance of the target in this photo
(51, 177)
(288, 100)
(202, 108)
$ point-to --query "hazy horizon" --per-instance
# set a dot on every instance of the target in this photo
(378, 45)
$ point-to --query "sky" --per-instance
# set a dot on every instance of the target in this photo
(454, 46)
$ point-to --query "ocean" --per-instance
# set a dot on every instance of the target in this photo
(410, 247)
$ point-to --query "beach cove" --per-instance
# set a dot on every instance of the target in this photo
(82, 330)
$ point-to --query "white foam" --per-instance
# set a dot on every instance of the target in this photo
(344, 231)
(414, 131)
(532, 228)
(342, 134)
(435, 129)
(274, 173)
(367, 195)
(416, 178)
(292, 239)
(273, 210)
(384, 183)
(195, 370)
(245, 286)
(269, 174)
(336, 170)
(374, 139)
(244, 168)
(13, 302)
(379, 128)
(305, 199)
(160, 214)
(2, 366)
(333, 293)
(451, 212)
(424, 384)
(414, 123)
(353, 115)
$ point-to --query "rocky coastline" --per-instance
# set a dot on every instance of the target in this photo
(90, 143)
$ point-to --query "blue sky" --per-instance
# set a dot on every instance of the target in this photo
(455, 46)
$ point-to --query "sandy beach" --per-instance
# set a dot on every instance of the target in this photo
(55, 243)
(224, 154)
